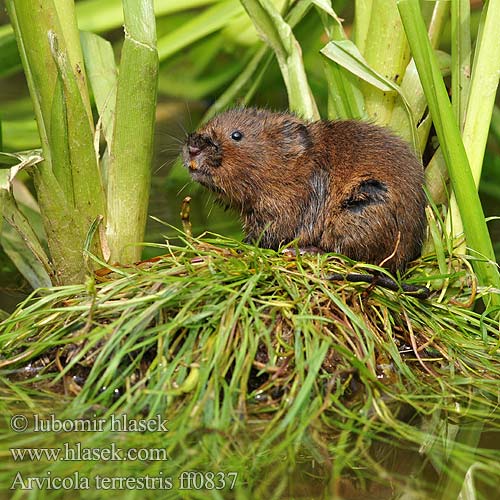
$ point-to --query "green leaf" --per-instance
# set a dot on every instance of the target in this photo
(9, 55)
(102, 74)
(345, 100)
(18, 235)
(346, 54)
(417, 102)
(326, 6)
(28, 264)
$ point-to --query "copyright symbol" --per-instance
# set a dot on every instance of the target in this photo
(19, 423)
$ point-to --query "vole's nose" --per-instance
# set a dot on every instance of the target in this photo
(193, 151)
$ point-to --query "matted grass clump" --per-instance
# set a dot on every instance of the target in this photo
(263, 366)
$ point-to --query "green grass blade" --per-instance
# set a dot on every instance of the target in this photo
(416, 102)
(210, 20)
(412, 88)
(345, 99)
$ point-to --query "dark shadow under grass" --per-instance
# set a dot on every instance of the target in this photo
(301, 387)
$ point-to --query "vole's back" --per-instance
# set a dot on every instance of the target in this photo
(375, 205)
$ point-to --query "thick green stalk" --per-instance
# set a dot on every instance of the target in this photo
(387, 52)
(68, 182)
(460, 85)
(452, 146)
(69, 31)
(362, 15)
(345, 99)
(131, 150)
(412, 88)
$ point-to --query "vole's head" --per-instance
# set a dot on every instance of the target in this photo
(243, 152)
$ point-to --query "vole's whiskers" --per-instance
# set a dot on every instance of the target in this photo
(183, 188)
(189, 116)
(183, 128)
(168, 162)
(211, 207)
(176, 139)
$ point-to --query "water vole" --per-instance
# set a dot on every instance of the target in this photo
(340, 186)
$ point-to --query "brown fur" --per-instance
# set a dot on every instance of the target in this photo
(341, 186)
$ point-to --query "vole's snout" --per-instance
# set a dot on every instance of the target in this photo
(193, 151)
(201, 152)
(195, 145)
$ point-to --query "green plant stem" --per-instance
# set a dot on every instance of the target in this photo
(481, 96)
(412, 88)
(483, 88)
(279, 36)
(68, 182)
(131, 151)
(460, 57)
(438, 21)
(452, 146)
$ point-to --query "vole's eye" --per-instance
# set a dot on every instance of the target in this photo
(236, 135)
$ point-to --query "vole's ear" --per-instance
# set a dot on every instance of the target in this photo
(295, 136)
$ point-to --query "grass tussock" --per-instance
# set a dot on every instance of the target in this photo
(263, 366)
